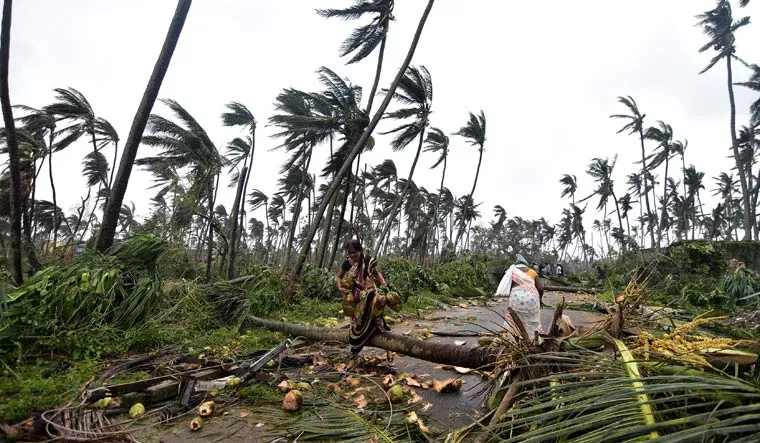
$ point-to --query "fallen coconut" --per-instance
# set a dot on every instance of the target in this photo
(137, 410)
(233, 381)
(292, 401)
(395, 393)
(196, 423)
(206, 408)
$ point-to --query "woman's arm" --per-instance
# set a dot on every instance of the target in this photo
(378, 276)
(339, 280)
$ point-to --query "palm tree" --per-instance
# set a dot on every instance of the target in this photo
(726, 187)
(363, 41)
(239, 151)
(187, 145)
(625, 207)
(475, 133)
(663, 134)
(601, 171)
(13, 152)
(438, 142)
(570, 183)
(359, 145)
(636, 125)
(258, 199)
(116, 197)
(719, 26)
(415, 93)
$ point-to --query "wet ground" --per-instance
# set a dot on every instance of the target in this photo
(446, 411)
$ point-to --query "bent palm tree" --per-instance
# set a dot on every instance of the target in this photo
(570, 183)
(415, 92)
(438, 142)
(475, 133)
(239, 151)
(719, 26)
(116, 197)
(636, 125)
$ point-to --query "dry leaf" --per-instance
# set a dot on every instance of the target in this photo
(244, 414)
(319, 360)
(448, 385)
(361, 402)
(414, 398)
(388, 381)
(426, 406)
(411, 418)
(464, 305)
(460, 342)
(412, 382)
(423, 428)
(372, 439)
(406, 332)
(425, 385)
(462, 370)
(353, 381)
(333, 387)
(258, 425)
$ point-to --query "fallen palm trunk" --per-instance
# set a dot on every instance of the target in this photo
(571, 289)
(463, 356)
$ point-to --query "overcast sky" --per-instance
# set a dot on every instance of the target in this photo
(546, 74)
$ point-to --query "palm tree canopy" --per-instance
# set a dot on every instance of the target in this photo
(364, 39)
(719, 26)
(437, 141)
(570, 183)
(475, 130)
(635, 118)
(238, 115)
(415, 93)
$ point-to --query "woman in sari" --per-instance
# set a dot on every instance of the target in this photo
(525, 292)
(364, 295)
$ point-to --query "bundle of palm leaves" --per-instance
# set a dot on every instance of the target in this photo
(586, 396)
(118, 289)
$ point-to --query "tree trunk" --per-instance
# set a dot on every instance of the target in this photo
(339, 228)
(463, 356)
(664, 208)
(56, 222)
(31, 254)
(437, 208)
(14, 165)
(646, 181)
(361, 142)
(297, 209)
(116, 199)
(400, 197)
(737, 159)
(327, 223)
(210, 233)
(462, 227)
(379, 69)
(234, 221)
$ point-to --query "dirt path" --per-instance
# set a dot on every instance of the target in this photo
(445, 412)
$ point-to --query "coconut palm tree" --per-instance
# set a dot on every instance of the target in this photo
(363, 40)
(601, 171)
(726, 188)
(719, 26)
(13, 151)
(360, 144)
(116, 197)
(663, 135)
(415, 94)
(635, 125)
(438, 142)
(239, 152)
(475, 133)
(187, 145)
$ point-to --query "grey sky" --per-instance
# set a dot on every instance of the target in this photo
(547, 75)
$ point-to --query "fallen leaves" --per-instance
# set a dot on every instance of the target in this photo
(460, 342)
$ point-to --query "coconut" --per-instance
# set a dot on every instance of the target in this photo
(233, 381)
(395, 393)
(137, 410)
(206, 408)
(196, 423)
(292, 401)
(303, 386)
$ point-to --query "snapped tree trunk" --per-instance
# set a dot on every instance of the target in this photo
(13, 154)
(235, 222)
(116, 198)
(360, 143)
(464, 356)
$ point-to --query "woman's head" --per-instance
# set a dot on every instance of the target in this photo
(353, 247)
